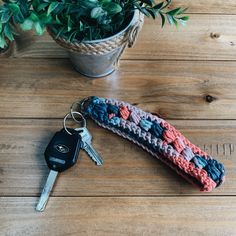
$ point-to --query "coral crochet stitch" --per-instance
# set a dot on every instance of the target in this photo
(158, 137)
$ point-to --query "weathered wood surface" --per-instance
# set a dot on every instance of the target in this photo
(179, 216)
(209, 7)
(187, 76)
(172, 89)
(127, 169)
(207, 37)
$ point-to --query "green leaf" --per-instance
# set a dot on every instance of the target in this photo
(3, 43)
(58, 20)
(175, 22)
(113, 8)
(81, 26)
(174, 11)
(96, 12)
(169, 2)
(33, 17)
(5, 17)
(170, 19)
(24, 7)
(8, 33)
(2, 10)
(18, 18)
(183, 22)
(152, 13)
(14, 7)
(35, 4)
(184, 18)
(27, 25)
(72, 36)
(1, 27)
(145, 11)
(60, 32)
(52, 7)
(158, 6)
(39, 28)
(148, 2)
(42, 6)
(61, 7)
(163, 20)
(89, 4)
(182, 10)
(45, 19)
(103, 2)
(69, 24)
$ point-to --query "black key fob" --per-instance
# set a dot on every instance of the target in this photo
(63, 150)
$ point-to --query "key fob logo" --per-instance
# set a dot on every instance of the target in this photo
(62, 148)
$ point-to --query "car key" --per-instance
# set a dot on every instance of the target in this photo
(87, 145)
(60, 154)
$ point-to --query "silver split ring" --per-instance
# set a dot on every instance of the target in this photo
(71, 114)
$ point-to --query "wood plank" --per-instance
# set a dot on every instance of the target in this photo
(127, 169)
(209, 7)
(120, 216)
(207, 37)
(173, 89)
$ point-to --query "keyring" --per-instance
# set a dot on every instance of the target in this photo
(81, 104)
(72, 116)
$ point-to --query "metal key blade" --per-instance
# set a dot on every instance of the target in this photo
(87, 145)
(93, 154)
(46, 190)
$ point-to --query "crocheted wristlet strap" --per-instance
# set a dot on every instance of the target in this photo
(159, 138)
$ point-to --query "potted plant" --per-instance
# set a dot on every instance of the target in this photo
(95, 32)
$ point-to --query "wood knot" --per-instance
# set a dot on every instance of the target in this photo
(214, 35)
(232, 44)
(209, 98)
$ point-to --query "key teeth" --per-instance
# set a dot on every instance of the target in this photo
(89, 150)
(97, 163)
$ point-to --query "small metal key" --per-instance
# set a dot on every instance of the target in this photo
(60, 154)
(87, 145)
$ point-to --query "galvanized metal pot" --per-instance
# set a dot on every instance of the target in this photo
(97, 65)
(99, 58)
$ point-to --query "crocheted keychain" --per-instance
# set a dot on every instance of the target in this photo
(158, 137)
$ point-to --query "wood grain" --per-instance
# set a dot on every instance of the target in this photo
(127, 169)
(207, 7)
(207, 37)
(187, 74)
(172, 89)
(120, 216)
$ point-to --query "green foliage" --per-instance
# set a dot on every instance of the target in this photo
(80, 19)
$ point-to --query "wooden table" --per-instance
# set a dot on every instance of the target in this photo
(187, 76)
